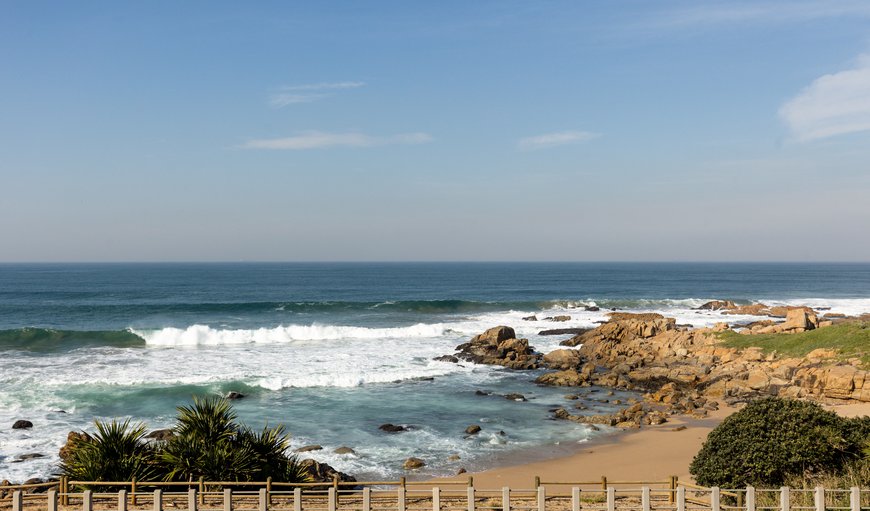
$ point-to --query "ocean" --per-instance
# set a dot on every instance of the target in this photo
(334, 350)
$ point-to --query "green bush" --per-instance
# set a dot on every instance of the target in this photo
(116, 452)
(208, 442)
(772, 441)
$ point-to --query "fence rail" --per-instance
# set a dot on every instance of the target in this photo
(602, 495)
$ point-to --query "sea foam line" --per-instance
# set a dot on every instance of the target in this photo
(198, 335)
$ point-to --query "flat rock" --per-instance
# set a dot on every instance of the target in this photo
(309, 448)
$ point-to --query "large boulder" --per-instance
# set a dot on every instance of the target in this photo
(323, 473)
(562, 359)
(73, 438)
(22, 424)
(623, 327)
(716, 305)
(499, 346)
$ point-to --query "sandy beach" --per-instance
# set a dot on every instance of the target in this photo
(653, 453)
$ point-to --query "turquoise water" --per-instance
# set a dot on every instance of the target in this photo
(334, 350)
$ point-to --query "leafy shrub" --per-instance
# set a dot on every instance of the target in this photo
(772, 441)
(208, 443)
(116, 452)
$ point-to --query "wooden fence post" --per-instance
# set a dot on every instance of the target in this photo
(820, 498)
(367, 499)
(52, 500)
(681, 498)
(122, 500)
(855, 499)
(133, 491)
(335, 487)
(672, 495)
(269, 490)
(470, 496)
(537, 482)
(191, 499)
(784, 499)
(644, 498)
(575, 499)
(715, 498)
(611, 499)
(436, 499)
(330, 500)
(201, 491)
(87, 501)
(158, 500)
(264, 500)
(17, 500)
(542, 498)
(604, 482)
(297, 499)
(64, 490)
(750, 498)
(228, 499)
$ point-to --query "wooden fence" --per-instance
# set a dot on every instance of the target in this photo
(603, 495)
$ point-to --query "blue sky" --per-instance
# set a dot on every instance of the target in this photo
(500, 130)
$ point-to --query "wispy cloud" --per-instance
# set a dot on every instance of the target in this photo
(308, 93)
(321, 140)
(785, 11)
(555, 139)
(834, 104)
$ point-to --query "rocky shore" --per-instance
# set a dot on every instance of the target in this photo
(680, 370)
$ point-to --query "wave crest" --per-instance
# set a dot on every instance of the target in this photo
(203, 335)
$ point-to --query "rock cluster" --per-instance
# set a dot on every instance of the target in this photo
(323, 473)
(499, 346)
(685, 371)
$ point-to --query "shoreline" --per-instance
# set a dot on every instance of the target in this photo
(653, 453)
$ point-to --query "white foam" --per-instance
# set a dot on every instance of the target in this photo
(203, 335)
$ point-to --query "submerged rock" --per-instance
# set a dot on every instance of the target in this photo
(392, 428)
(413, 463)
(472, 430)
(22, 424)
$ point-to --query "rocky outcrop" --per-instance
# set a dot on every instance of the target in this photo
(160, 435)
(623, 327)
(499, 346)
(686, 371)
(323, 473)
(562, 359)
(72, 439)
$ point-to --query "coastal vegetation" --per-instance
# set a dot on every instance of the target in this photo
(849, 339)
(207, 441)
(773, 442)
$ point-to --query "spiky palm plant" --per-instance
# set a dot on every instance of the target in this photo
(270, 449)
(116, 452)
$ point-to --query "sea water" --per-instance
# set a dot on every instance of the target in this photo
(334, 350)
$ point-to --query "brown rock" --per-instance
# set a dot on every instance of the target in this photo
(472, 430)
(562, 359)
(413, 464)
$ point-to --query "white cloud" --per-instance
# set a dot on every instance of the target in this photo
(555, 139)
(320, 140)
(308, 93)
(834, 104)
